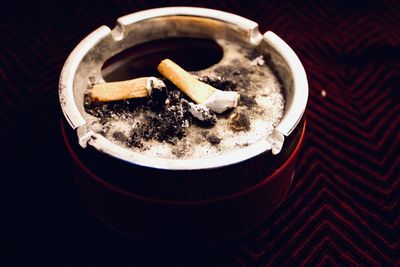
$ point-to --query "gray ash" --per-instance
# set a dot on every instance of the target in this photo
(169, 124)
(109, 109)
(120, 136)
(154, 126)
(167, 113)
(252, 54)
(213, 139)
(207, 123)
(239, 122)
(166, 118)
(219, 83)
(248, 101)
(156, 100)
(238, 76)
(235, 69)
(136, 139)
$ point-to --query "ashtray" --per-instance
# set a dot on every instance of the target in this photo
(185, 198)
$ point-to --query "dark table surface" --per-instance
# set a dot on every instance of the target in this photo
(344, 205)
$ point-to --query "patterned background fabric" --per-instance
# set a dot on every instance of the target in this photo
(344, 205)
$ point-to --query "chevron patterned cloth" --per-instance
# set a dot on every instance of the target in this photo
(343, 208)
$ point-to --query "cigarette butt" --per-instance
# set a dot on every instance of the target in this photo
(188, 83)
(201, 93)
(135, 88)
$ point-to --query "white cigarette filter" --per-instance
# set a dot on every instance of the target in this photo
(135, 88)
(200, 92)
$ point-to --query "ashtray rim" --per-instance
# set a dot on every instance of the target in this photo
(102, 144)
(246, 191)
